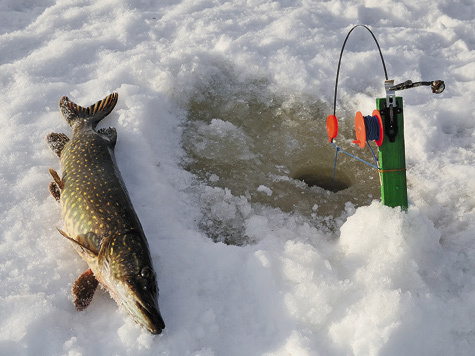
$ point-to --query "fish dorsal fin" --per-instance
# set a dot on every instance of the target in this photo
(57, 141)
(111, 134)
(56, 178)
(73, 113)
(89, 241)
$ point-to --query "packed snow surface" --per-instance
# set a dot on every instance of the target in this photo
(221, 113)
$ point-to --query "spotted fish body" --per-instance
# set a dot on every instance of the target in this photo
(99, 218)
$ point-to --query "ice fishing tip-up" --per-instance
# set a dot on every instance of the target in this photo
(386, 127)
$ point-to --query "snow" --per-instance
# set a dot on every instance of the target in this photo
(221, 111)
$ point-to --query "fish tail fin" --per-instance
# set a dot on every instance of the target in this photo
(74, 113)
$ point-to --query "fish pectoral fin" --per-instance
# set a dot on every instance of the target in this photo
(57, 141)
(110, 133)
(83, 290)
(87, 241)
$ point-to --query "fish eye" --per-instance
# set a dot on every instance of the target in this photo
(146, 272)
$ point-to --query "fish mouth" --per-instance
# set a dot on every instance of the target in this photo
(151, 318)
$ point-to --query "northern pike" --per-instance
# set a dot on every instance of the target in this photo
(99, 218)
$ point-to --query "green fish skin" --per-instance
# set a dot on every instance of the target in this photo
(99, 218)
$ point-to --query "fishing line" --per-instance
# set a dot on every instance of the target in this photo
(372, 128)
(338, 149)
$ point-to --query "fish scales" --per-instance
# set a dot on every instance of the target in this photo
(93, 189)
(99, 217)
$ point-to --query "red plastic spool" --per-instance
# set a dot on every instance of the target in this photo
(380, 122)
(360, 129)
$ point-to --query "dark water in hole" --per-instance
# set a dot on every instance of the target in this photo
(314, 177)
(252, 150)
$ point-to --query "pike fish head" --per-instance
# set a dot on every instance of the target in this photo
(132, 279)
